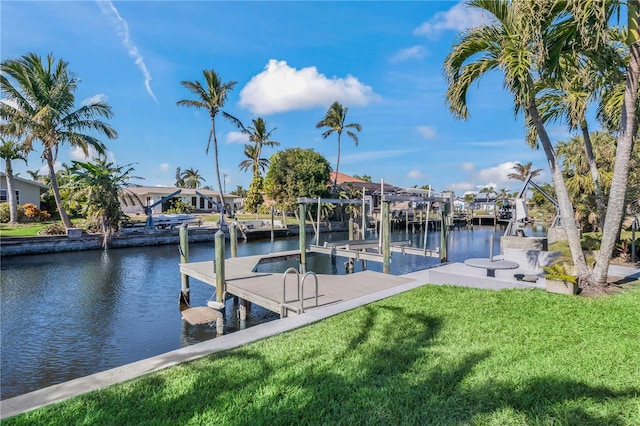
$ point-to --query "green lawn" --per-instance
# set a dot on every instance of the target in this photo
(435, 355)
(21, 230)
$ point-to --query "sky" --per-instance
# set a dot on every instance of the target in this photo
(291, 61)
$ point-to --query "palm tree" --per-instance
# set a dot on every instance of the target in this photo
(512, 43)
(192, 178)
(41, 105)
(35, 175)
(260, 137)
(521, 171)
(179, 179)
(334, 120)
(11, 150)
(211, 96)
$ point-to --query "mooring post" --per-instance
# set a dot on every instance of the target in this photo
(184, 258)
(221, 289)
(351, 236)
(386, 242)
(233, 238)
(272, 231)
(302, 235)
(443, 236)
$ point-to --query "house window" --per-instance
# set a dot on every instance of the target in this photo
(202, 203)
(193, 201)
(4, 198)
(210, 206)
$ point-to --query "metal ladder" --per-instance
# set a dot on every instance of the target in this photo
(300, 286)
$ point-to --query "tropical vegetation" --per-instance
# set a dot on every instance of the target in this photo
(531, 43)
(335, 122)
(211, 96)
(40, 104)
(11, 150)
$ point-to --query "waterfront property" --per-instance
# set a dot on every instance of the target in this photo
(161, 198)
(27, 191)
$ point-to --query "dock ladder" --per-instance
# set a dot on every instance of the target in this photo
(300, 286)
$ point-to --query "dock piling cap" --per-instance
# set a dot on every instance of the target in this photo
(213, 304)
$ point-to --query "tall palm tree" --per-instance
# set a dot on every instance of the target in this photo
(11, 150)
(512, 43)
(192, 178)
(211, 96)
(334, 121)
(521, 171)
(41, 104)
(260, 137)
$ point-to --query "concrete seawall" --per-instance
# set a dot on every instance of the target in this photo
(16, 246)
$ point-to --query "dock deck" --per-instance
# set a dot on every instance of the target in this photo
(266, 289)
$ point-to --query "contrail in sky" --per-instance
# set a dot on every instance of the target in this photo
(123, 29)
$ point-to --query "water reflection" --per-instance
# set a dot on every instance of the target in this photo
(69, 315)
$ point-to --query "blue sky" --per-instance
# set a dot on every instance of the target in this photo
(290, 60)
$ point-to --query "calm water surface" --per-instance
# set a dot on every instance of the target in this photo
(69, 315)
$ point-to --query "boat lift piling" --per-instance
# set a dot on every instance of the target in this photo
(185, 298)
(218, 264)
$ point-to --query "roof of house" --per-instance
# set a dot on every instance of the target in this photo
(27, 181)
(166, 190)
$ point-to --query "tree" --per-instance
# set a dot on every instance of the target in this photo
(294, 173)
(191, 178)
(334, 120)
(211, 96)
(40, 103)
(521, 171)
(100, 185)
(11, 150)
(365, 178)
(260, 138)
(179, 179)
(513, 42)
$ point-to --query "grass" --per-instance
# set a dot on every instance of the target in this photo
(22, 229)
(435, 355)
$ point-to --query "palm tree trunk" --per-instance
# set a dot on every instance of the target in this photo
(11, 193)
(595, 176)
(628, 130)
(567, 219)
(56, 191)
(335, 180)
(215, 154)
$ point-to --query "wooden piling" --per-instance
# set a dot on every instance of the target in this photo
(351, 236)
(233, 238)
(443, 237)
(219, 267)
(185, 298)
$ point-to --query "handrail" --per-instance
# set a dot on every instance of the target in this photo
(284, 283)
(302, 289)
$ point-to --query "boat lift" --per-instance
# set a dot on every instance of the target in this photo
(519, 219)
(148, 209)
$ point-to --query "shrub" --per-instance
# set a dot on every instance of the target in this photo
(54, 229)
(5, 214)
(31, 211)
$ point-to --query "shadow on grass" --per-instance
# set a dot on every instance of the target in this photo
(382, 364)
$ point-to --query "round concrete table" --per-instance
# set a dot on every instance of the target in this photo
(491, 265)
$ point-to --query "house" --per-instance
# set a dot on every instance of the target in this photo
(27, 191)
(134, 199)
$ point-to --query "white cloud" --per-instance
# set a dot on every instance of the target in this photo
(461, 186)
(496, 175)
(459, 18)
(468, 166)
(414, 52)
(122, 27)
(372, 155)
(237, 137)
(100, 97)
(426, 132)
(164, 167)
(282, 88)
(78, 154)
(417, 174)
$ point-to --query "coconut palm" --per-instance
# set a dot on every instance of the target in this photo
(521, 171)
(211, 96)
(260, 138)
(334, 120)
(11, 150)
(192, 178)
(40, 103)
(513, 42)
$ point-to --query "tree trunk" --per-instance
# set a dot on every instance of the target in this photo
(567, 219)
(11, 193)
(56, 191)
(626, 138)
(215, 154)
(595, 176)
(335, 181)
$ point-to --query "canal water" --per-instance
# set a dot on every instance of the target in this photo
(68, 315)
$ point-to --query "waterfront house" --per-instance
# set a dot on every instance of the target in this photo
(27, 191)
(197, 198)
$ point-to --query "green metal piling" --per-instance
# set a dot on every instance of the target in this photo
(302, 235)
(184, 258)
